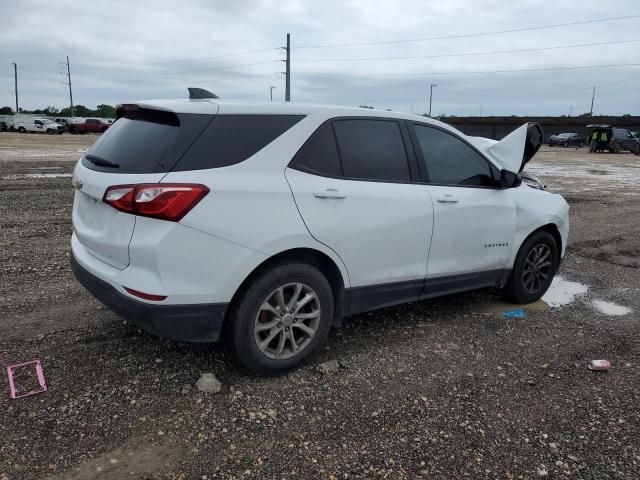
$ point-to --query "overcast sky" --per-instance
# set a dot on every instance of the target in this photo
(121, 50)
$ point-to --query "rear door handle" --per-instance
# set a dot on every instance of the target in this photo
(447, 199)
(329, 193)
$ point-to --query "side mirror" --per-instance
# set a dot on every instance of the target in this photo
(508, 179)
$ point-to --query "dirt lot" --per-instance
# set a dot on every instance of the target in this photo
(438, 389)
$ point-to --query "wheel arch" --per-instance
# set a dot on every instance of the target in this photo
(550, 227)
(311, 256)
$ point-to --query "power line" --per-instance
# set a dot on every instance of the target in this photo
(350, 27)
(467, 35)
(185, 60)
(545, 69)
(553, 92)
(467, 54)
(208, 69)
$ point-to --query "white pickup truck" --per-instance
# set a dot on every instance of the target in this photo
(42, 125)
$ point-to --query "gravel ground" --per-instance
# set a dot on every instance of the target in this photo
(435, 389)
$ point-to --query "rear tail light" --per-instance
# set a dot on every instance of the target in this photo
(164, 201)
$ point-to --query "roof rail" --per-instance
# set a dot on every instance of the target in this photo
(200, 93)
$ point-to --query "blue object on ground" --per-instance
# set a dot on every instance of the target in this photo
(513, 313)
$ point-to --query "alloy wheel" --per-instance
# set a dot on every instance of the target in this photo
(537, 268)
(287, 321)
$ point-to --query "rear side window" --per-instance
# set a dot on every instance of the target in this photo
(450, 161)
(372, 150)
(231, 139)
(319, 155)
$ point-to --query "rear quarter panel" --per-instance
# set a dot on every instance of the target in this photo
(250, 204)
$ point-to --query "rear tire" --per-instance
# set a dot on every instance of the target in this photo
(534, 268)
(22, 130)
(265, 328)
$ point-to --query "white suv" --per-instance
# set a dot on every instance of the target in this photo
(269, 223)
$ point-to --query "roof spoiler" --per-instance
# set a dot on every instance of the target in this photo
(200, 93)
(517, 148)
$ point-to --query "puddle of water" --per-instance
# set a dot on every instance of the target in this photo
(20, 176)
(563, 292)
(609, 308)
(499, 307)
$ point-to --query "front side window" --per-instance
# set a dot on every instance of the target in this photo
(451, 161)
(372, 150)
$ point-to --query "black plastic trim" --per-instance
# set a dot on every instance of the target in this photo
(372, 297)
(185, 323)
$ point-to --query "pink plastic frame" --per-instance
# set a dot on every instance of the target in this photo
(41, 381)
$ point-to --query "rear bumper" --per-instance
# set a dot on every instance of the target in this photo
(186, 323)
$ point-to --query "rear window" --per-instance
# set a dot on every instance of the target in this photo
(231, 139)
(145, 141)
(150, 141)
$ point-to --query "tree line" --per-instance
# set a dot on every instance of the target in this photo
(101, 111)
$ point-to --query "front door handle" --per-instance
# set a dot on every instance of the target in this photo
(329, 193)
(447, 199)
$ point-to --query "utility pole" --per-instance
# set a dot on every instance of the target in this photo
(15, 77)
(271, 92)
(593, 96)
(287, 73)
(68, 74)
(571, 109)
(431, 96)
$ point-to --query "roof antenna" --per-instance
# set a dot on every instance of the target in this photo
(200, 93)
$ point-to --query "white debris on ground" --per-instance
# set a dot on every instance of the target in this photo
(609, 308)
(208, 383)
(10, 153)
(563, 292)
(586, 176)
(20, 176)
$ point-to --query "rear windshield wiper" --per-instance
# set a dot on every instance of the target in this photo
(100, 161)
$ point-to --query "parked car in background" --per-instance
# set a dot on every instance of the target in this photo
(566, 140)
(4, 126)
(38, 125)
(618, 139)
(268, 223)
(89, 125)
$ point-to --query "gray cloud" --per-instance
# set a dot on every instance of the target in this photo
(122, 50)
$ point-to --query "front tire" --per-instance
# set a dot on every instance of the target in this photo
(22, 130)
(534, 268)
(281, 319)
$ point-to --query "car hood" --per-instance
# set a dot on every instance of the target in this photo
(515, 150)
